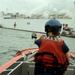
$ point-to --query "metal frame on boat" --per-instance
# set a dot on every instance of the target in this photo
(23, 64)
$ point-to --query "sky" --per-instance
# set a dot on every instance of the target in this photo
(36, 6)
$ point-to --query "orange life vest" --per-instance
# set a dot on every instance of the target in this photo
(51, 52)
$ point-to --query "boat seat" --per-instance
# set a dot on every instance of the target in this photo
(28, 69)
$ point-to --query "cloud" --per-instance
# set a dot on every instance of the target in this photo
(35, 6)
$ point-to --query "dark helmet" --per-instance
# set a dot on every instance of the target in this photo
(53, 25)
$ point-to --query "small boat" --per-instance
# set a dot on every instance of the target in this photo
(23, 64)
(68, 32)
(69, 35)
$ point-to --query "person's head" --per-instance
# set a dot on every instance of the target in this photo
(66, 25)
(63, 24)
(53, 26)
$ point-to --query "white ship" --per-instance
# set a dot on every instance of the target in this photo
(34, 22)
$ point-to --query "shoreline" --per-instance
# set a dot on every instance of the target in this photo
(22, 30)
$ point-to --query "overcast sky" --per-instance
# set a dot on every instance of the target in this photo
(33, 6)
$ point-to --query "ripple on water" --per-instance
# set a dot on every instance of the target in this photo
(12, 41)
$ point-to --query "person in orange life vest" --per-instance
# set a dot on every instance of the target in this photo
(63, 26)
(14, 24)
(52, 57)
(66, 27)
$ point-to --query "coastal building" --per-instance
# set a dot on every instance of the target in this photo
(44, 15)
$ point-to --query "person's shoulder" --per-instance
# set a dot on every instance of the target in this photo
(59, 38)
(61, 41)
(43, 36)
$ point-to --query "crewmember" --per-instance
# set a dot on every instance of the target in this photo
(52, 57)
(15, 25)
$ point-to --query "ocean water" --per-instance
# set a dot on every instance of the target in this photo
(12, 41)
(32, 24)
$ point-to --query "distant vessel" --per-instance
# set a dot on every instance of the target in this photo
(69, 31)
(34, 22)
(7, 17)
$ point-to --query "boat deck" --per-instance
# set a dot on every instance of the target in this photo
(27, 68)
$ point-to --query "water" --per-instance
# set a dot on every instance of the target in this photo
(32, 24)
(12, 41)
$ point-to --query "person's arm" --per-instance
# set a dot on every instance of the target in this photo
(67, 55)
(38, 36)
(38, 39)
(38, 42)
(66, 50)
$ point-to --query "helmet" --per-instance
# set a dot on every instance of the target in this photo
(53, 24)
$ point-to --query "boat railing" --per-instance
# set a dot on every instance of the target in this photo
(13, 69)
(26, 65)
